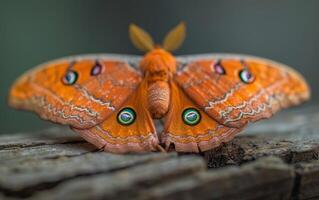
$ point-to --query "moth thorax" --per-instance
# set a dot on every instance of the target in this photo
(158, 60)
(158, 97)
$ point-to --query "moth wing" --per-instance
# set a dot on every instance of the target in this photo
(230, 101)
(112, 136)
(205, 135)
(87, 102)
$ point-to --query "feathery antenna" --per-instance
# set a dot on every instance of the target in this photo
(144, 42)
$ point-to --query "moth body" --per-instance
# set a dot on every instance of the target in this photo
(158, 67)
(158, 97)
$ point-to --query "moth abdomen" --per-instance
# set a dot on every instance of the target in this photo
(158, 97)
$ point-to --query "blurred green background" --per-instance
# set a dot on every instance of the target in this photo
(35, 31)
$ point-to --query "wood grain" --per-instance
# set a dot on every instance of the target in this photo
(275, 159)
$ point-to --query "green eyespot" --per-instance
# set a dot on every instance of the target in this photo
(70, 78)
(246, 76)
(126, 116)
(191, 116)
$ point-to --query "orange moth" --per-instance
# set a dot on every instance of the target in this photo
(112, 100)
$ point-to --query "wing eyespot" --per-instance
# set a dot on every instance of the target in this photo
(70, 77)
(246, 76)
(218, 68)
(96, 69)
(191, 116)
(126, 116)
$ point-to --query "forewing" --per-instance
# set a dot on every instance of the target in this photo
(88, 101)
(232, 102)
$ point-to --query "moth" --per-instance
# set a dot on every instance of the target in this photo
(113, 100)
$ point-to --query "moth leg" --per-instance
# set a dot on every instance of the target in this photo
(161, 149)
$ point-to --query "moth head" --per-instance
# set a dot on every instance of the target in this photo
(157, 61)
(158, 58)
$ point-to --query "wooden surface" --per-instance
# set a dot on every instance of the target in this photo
(273, 159)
